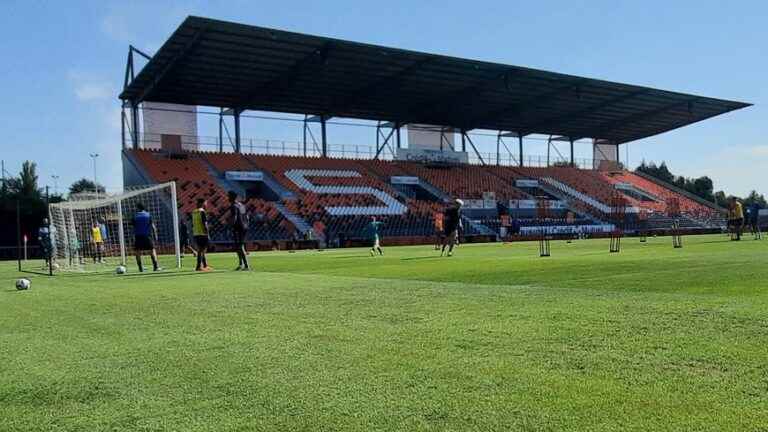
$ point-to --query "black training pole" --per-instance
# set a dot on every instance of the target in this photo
(18, 232)
(51, 240)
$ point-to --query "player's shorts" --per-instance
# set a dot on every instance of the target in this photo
(451, 230)
(143, 243)
(47, 248)
(201, 241)
(238, 236)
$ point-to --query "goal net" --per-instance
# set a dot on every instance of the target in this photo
(95, 231)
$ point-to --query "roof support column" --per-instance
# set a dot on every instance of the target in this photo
(122, 126)
(397, 127)
(463, 141)
(617, 153)
(520, 149)
(238, 142)
(221, 130)
(572, 160)
(135, 125)
(498, 148)
(324, 136)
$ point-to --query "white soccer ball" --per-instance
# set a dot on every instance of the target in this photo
(121, 270)
(56, 266)
(23, 284)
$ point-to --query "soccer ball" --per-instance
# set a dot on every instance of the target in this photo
(56, 266)
(23, 284)
(120, 270)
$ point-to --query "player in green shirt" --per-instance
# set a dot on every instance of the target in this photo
(373, 236)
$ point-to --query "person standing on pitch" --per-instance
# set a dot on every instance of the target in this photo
(144, 232)
(98, 243)
(438, 220)
(736, 218)
(45, 237)
(238, 219)
(200, 233)
(452, 223)
(754, 220)
(373, 233)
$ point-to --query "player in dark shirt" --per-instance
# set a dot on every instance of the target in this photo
(238, 220)
(451, 223)
(144, 234)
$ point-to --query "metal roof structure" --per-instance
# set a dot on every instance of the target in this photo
(222, 64)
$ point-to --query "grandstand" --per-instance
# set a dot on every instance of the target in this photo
(313, 194)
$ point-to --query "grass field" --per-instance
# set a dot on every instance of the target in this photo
(494, 338)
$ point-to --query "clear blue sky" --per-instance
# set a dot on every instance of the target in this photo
(62, 65)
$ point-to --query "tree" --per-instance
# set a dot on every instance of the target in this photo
(85, 185)
(27, 185)
(701, 187)
(755, 198)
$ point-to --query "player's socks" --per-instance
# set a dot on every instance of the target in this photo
(155, 267)
(138, 263)
(381, 252)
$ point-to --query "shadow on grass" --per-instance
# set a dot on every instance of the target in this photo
(431, 257)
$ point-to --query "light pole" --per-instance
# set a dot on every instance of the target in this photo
(95, 184)
(55, 184)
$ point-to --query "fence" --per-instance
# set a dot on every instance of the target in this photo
(258, 146)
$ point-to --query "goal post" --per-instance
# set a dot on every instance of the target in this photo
(95, 232)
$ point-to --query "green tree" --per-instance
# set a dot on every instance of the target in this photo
(27, 184)
(755, 198)
(85, 185)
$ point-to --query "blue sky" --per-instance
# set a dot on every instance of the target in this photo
(62, 65)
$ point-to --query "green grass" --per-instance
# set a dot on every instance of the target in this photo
(494, 338)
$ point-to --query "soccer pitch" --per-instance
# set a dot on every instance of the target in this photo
(493, 338)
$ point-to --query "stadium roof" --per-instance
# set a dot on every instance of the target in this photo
(216, 63)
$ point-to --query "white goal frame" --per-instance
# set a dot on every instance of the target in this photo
(69, 231)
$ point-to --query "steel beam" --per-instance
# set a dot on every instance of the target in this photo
(557, 120)
(324, 137)
(238, 142)
(170, 65)
(615, 124)
(520, 107)
(285, 81)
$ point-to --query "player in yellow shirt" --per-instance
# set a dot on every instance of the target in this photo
(200, 234)
(98, 243)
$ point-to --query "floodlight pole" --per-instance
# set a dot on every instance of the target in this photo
(95, 183)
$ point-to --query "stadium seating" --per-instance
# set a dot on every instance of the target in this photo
(336, 197)
(687, 205)
(194, 181)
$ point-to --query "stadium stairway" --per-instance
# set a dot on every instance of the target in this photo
(298, 222)
(596, 206)
(569, 201)
(221, 179)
